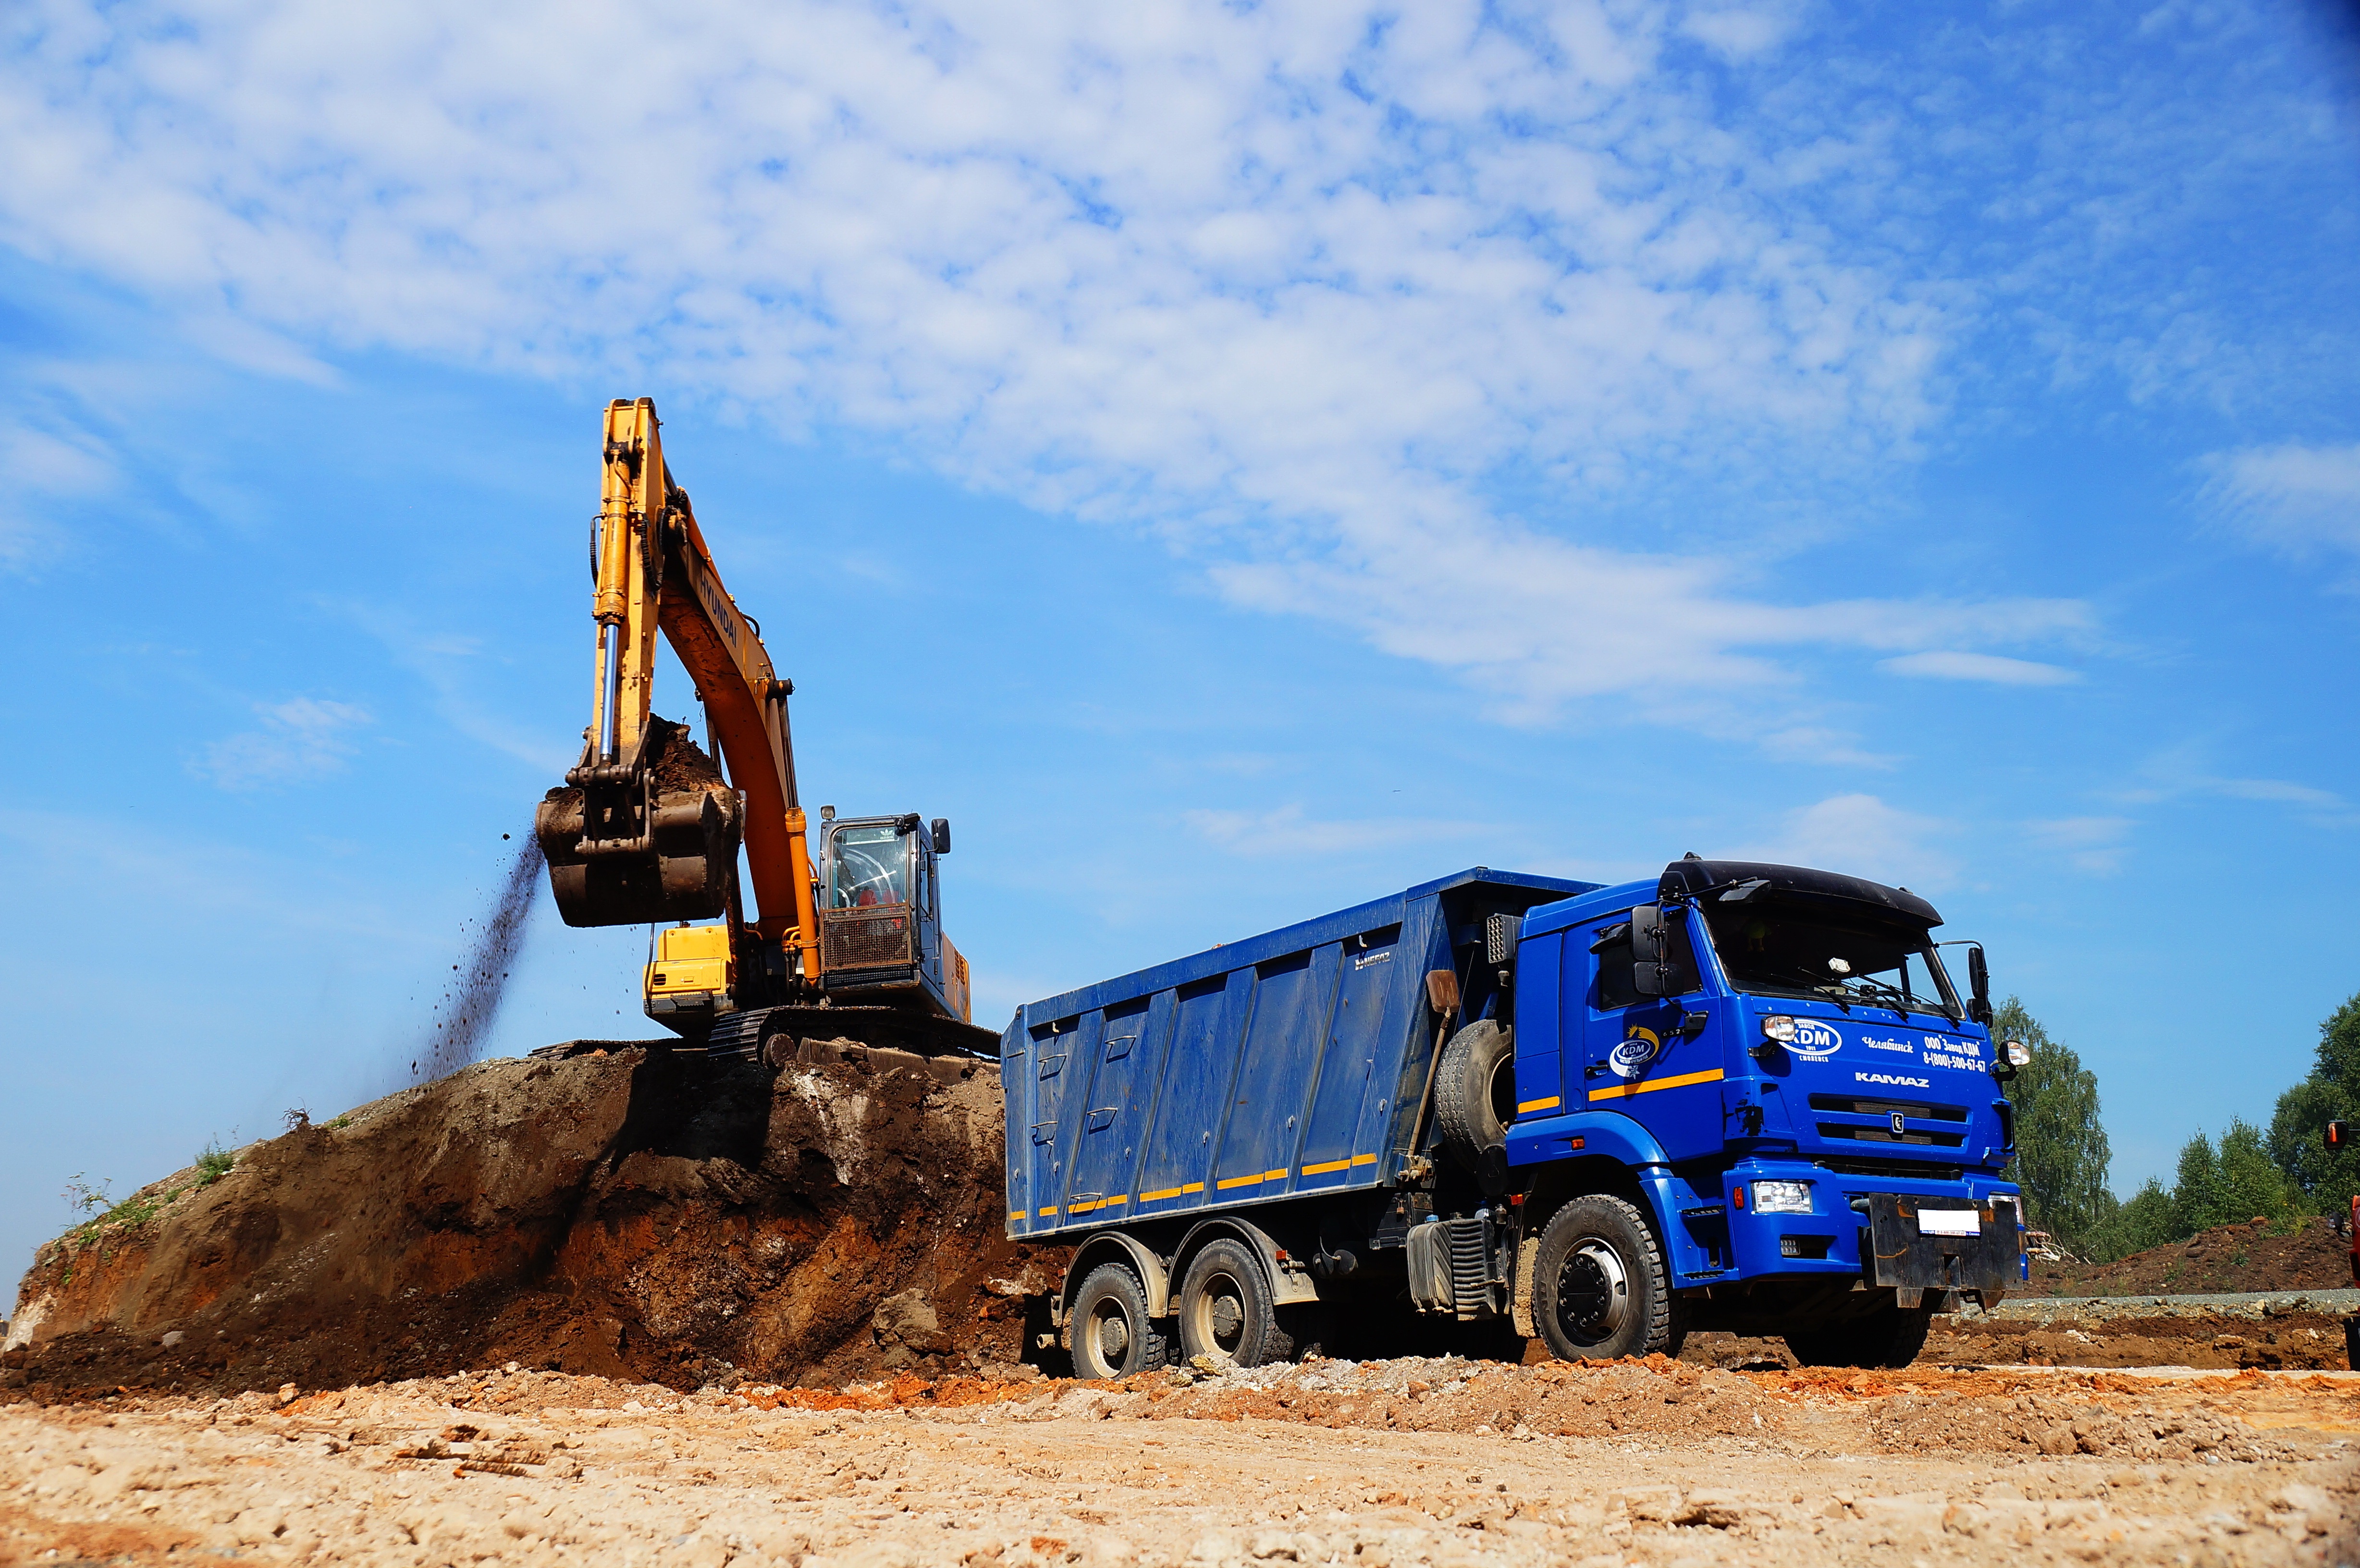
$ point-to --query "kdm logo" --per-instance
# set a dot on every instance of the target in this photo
(1630, 1058)
(1814, 1039)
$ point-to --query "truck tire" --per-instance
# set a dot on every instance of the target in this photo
(1112, 1335)
(1600, 1288)
(1226, 1312)
(1890, 1336)
(1475, 1092)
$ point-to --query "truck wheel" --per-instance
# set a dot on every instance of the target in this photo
(1225, 1308)
(1890, 1336)
(1475, 1092)
(1112, 1335)
(1599, 1288)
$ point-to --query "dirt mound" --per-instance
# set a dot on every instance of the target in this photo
(2230, 1257)
(623, 1214)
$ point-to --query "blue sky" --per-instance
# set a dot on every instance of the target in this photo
(1231, 460)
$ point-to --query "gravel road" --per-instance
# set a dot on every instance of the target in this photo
(1380, 1464)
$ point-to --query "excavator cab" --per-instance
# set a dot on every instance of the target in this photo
(880, 916)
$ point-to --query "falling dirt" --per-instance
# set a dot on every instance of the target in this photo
(470, 1003)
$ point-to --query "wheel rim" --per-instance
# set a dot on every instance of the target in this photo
(1218, 1315)
(1110, 1334)
(1593, 1292)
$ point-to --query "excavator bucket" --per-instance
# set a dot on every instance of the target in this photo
(650, 838)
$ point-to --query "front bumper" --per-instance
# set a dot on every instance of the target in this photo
(1867, 1228)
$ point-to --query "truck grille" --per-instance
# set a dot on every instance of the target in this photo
(1896, 1170)
(1861, 1105)
(866, 939)
(1887, 1135)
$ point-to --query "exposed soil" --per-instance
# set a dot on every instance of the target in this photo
(626, 1214)
(1373, 1465)
(2229, 1258)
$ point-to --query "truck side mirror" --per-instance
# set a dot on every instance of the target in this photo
(942, 835)
(1979, 983)
(1650, 975)
(2339, 1137)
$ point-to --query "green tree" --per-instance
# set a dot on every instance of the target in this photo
(2332, 1092)
(2061, 1152)
(2252, 1186)
(2196, 1194)
(2145, 1220)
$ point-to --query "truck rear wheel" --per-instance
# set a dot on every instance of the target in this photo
(1226, 1312)
(1111, 1332)
(1890, 1336)
(1475, 1090)
(1599, 1288)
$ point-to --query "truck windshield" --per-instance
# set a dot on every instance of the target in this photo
(1776, 951)
(870, 866)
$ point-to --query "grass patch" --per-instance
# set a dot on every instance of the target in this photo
(213, 1162)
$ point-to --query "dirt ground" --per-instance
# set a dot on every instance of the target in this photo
(2231, 1258)
(1381, 1465)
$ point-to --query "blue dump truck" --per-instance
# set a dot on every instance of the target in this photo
(1744, 1097)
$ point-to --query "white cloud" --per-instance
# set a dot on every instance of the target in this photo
(1739, 32)
(1861, 836)
(301, 739)
(1292, 283)
(1950, 665)
(42, 465)
(2094, 844)
(1288, 833)
(2294, 496)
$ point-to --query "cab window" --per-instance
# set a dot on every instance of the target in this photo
(869, 866)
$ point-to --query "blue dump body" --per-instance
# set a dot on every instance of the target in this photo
(1289, 1063)
(1741, 1097)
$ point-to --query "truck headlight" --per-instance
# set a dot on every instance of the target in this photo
(1780, 1027)
(1781, 1197)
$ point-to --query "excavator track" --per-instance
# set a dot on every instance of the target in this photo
(759, 1032)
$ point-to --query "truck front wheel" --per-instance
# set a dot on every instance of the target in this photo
(1599, 1288)
(1890, 1336)
(1225, 1311)
(1112, 1335)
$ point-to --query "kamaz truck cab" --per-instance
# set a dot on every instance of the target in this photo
(1777, 1060)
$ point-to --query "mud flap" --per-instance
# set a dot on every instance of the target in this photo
(1913, 1253)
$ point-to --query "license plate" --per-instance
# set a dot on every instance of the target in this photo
(1949, 1221)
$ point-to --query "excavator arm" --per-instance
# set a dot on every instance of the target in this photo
(631, 840)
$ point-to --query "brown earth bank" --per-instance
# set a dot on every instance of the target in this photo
(626, 1214)
(2231, 1257)
(1378, 1464)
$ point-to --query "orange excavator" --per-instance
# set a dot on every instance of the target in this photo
(648, 829)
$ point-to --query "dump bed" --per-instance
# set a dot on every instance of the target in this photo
(1287, 1064)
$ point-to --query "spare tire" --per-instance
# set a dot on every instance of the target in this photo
(1475, 1095)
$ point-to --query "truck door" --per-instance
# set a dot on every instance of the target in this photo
(1634, 1058)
